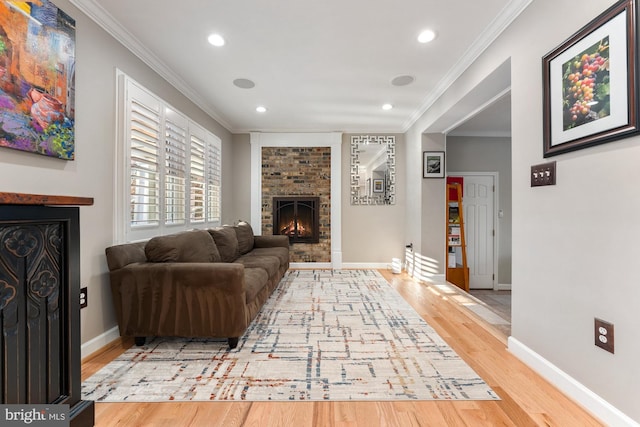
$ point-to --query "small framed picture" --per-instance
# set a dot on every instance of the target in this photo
(433, 164)
(378, 185)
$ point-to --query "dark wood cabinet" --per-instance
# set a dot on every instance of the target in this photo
(40, 307)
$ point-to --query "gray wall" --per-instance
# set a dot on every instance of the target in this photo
(487, 154)
(432, 216)
(373, 233)
(241, 180)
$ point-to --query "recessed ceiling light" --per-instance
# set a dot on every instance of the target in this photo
(402, 80)
(244, 83)
(261, 109)
(387, 107)
(426, 36)
(216, 40)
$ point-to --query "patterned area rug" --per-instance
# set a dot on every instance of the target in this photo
(323, 335)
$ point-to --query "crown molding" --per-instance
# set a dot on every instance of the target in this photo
(97, 14)
(510, 12)
(386, 131)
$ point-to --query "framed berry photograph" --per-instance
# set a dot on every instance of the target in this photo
(590, 83)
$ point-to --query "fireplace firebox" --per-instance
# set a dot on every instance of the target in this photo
(297, 217)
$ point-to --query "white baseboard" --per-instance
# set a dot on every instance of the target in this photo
(314, 265)
(376, 265)
(98, 342)
(328, 265)
(503, 287)
(593, 403)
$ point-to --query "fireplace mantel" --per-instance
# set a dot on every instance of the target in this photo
(43, 200)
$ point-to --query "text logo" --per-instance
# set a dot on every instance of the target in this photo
(34, 415)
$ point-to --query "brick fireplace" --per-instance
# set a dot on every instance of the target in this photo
(293, 166)
(298, 174)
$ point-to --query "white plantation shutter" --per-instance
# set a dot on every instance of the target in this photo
(197, 173)
(144, 167)
(171, 168)
(175, 179)
(214, 180)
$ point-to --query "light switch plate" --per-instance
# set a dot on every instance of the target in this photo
(543, 174)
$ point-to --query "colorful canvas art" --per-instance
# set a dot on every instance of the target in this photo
(37, 70)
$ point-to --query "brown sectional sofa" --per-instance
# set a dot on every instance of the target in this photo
(200, 283)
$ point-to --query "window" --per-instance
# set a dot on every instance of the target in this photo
(172, 168)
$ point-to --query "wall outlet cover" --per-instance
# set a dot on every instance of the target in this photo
(603, 332)
(83, 297)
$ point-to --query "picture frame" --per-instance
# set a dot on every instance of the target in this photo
(433, 164)
(37, 79)
(590, 83)
(378, 185)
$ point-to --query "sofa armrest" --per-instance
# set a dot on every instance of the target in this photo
(180, 299)
(271, 241)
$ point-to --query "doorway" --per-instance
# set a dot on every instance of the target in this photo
(470, 151)
(483, 158)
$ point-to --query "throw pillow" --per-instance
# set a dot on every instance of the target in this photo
(227, 243)
(244, 233)
(188, 246)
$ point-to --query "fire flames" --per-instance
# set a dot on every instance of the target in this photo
(290, 229)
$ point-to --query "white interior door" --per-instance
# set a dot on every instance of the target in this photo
(479, 222)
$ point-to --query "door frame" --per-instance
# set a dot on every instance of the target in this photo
(496, 196)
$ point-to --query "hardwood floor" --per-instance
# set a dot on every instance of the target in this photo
(527, 399)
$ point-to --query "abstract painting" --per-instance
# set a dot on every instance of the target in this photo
(37, 74)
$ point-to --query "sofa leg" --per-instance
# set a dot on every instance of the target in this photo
(140, 341)
(233, 343)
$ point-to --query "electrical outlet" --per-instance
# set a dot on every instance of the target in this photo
(603, 334)
(83, 297)
(543, 174)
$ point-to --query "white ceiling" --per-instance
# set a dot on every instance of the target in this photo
(317, 65)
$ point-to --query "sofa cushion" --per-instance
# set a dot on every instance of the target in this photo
(188, 246)
(244, 233)
(270, 264)
(227, 243)
(281, 253)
